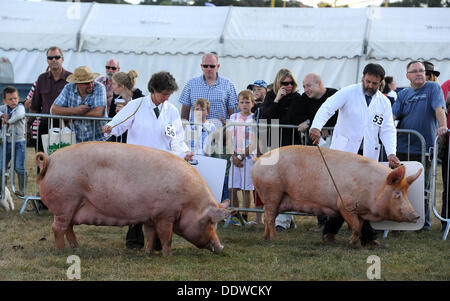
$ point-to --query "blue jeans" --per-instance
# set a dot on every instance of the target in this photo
(19, 163)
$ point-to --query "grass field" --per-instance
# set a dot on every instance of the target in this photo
(27, 253)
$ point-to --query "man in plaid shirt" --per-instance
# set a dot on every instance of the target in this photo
(83, 97)
(219, 91)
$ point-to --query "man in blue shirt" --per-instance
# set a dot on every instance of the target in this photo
(83, 97)
(219, 91)
(420, 107)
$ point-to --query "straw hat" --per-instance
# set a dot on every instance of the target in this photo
(82, 75)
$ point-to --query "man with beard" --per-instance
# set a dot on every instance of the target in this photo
(83, 97)
(365, 115)
(111, 67)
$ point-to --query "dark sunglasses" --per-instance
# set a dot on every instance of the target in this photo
(287, 83)
(56, 57)
(210, 66)
(112, 68)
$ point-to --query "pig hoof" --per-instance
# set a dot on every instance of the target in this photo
(355, 243)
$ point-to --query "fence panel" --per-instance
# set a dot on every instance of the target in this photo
(444, 216)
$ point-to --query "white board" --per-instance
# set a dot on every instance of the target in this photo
(415, 196)
(213, 171)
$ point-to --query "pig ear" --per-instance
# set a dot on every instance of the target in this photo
(396, 175)
(218, 214)
(412, 178)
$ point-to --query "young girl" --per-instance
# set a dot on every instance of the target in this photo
(241, 141)
(123, 85)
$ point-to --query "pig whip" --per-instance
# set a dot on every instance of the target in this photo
(334, 183)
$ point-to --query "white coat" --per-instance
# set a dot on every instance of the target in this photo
(356, 121)
(147, 130)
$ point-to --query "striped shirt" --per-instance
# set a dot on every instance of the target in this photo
(85, 130)
(221, 96)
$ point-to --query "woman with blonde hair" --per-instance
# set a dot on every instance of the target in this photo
(286, 104)
(123, 85)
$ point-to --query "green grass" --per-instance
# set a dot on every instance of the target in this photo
(27, 253)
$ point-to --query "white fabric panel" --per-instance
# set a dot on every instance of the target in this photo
(295, 32)
(153, 29)
(34, 25)
(410, 33)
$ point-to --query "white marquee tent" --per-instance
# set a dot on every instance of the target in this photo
(252, 43)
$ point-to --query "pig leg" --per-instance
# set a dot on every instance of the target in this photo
(271, 198)
(270, 214)
(150, 233)
(71, 238)
(355, 224)
(59, 227)
(164, 229)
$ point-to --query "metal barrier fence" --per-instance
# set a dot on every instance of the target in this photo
(266, 132)
(445, 172)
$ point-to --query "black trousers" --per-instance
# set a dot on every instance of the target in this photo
(333, 224)
(135, 238)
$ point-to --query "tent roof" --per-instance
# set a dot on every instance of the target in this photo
(392, 33)
(410, 33)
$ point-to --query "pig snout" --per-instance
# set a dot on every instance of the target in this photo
(412, 217)
(409, 215)
(215, 246)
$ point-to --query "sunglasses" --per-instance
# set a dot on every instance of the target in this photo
(287, 83)
(56, 57)
(210, 66)
(112, 68)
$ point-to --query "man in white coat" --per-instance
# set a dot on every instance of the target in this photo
(365, 115)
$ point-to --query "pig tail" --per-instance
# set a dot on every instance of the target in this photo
(42, 163)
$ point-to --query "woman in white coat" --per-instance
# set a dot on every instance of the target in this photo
(365, 115)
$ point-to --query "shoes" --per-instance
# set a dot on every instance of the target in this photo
(329, 238)
(371, 243)
(235, 221)
(279, 228)
(292, 225)
(424, 229)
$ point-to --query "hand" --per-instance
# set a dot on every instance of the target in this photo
(281, 93)
(394, 162)
(237, 162)
(314, 134)
(5, 118)
(441, 131)
(303, 126)
(119, 107)
(82, 109)
(107, 129)
(189, 156)
(325, 134)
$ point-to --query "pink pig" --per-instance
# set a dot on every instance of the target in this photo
(296, 178)
(117, 184)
